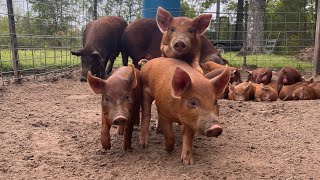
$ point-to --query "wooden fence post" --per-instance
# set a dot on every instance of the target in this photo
(13, 38)
(316, 58)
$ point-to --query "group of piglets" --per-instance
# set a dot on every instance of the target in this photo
(261, 87)
(174, 81)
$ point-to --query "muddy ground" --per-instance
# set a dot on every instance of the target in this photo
(51, 130)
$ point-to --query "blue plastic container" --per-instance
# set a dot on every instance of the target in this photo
(149, 7)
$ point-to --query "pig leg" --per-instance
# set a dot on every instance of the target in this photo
(187, 137)
(111, 62)
(166, 128)
(105, 134)
(120, 129)
(128, 135)
(146, 116)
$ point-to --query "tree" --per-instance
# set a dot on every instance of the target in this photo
(239, 21)
(128, 9)
(255, 27)
(186, 10)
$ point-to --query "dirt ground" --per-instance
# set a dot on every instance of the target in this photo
(51, 130)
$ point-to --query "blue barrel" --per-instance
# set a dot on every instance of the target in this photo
(149, 7)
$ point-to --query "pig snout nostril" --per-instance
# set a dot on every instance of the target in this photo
(180, 46)
(119, 120)
(214, 131)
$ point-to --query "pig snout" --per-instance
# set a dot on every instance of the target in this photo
(285, 80)
(213, 131)
(180, 46)
(211, 128)
(119, 120)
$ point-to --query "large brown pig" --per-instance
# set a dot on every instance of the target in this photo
(183, 95)
(286, 91)
(121, 101)
(304, 93)
(101, 45)
(288, 76)
(181, 37)
(142, 38)
(260, 75)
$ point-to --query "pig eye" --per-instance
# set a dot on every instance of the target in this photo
(107, 99)
(190, 31)
(172, 29)
(193, 103)
(126, 97)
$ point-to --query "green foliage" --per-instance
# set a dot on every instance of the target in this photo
(186, 10)
(128, 9)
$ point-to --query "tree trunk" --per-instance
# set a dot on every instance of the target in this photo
(239, 22)
(255, 28)
(95, 6)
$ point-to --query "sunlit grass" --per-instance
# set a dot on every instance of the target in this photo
(51, 59)
(267, 60)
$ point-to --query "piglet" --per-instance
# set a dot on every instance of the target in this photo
(304, 93)
(241, 92)
(121, 101)
(183, 95)
(260, 75)
(288, 76)
(264, 92)
(182, 36)
(316, 87)
(286, 91)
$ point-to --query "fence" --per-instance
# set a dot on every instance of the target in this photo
(46, 31)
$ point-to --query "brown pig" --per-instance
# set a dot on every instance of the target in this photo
(304, 93)
(264, 92)
(316, 87)
(210, 66)
(286, 91)
(181, 37)
(288, 76)
(260, 75)
(241, 92)
(235, 77)
(183, 95)
(121, 100)
(273, 84)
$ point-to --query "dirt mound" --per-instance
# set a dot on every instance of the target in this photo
(306, 54)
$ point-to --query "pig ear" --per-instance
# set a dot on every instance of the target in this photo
(180, 81)
(202, 22)
(95, 83)
(131, 78)
(164, 19)
(77, 53)
(220, 82)
(248, 87)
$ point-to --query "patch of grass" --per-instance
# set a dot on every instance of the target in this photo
(267, 60)
(54, 59)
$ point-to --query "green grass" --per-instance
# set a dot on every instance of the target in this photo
(50, 59)
(267, 60)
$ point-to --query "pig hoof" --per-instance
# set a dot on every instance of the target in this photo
(83, 79)
(214, 131)
(129, 148)
(106, 147)
(187, 159)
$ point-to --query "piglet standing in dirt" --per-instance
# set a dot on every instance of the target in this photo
(101, 45)
(121, 101)
(183, 95)
(260, 75)
(288, 76)
(182, 36)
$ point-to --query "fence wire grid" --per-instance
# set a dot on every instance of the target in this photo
(46, 31)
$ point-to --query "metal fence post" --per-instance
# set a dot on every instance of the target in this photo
(13, 37)
(316, 58)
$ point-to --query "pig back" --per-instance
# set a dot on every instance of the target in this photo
(141, 37)
(105, 34)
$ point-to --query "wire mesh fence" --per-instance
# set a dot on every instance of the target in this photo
(46, 31)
